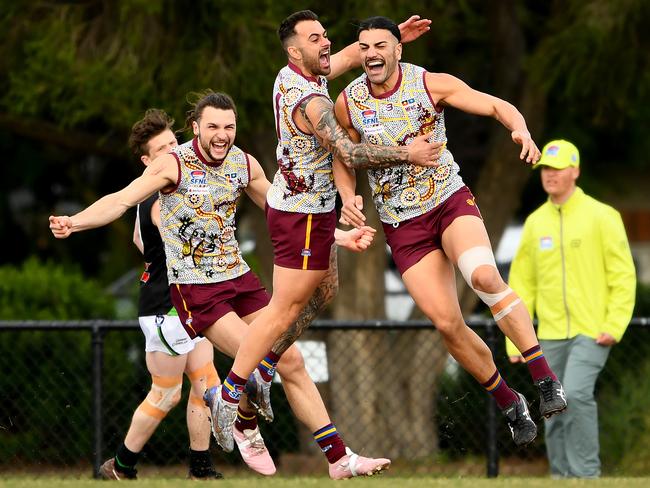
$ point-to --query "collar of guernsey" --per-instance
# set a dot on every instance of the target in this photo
(198, 217)
(394, 119)
(304, 182)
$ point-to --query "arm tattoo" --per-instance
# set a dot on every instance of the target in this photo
(323, 295)
(336, 140)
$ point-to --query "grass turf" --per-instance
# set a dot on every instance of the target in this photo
(384, 481)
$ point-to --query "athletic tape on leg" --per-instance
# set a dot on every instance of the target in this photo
(501, 303)
(164, 394)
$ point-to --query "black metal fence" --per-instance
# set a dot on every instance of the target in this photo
(68, 391)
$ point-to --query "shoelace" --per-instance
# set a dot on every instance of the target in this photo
(520, 420)
(546, 389)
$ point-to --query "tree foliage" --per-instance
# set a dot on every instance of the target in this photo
(74, 76)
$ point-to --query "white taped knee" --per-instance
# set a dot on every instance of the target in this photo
(164, 398)
(472, 259)
(501, 303)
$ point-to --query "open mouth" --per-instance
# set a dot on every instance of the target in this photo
(374, 66)
(219, 146)
(324, 58)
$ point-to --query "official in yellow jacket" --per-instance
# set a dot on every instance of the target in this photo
(574, 271)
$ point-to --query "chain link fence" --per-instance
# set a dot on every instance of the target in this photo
(69, 389)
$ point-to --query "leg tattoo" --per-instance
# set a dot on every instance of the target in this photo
(323, 295)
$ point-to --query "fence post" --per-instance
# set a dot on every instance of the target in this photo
(97, 372)
(492, 449)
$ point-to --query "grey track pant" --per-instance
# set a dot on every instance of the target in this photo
(572, 437)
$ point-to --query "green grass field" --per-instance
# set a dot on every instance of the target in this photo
(384, 481)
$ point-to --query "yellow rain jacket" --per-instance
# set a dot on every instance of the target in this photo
(574, 270)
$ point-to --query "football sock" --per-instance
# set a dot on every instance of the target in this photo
(330, 443)
(125, 460)
(233, 387)
(537, 365)
(500, 391)
(245, 420)
(268, 365)
(200, 463)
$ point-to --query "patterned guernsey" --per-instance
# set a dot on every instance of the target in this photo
(198, 217)
(304, 182)
(394, 119)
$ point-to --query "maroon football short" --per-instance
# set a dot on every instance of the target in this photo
(301, 241)
(414, 238)
(200, 306)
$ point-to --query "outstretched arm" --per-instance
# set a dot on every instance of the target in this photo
(448, 90)
(317, 113)
(160, 174)
(349, 58)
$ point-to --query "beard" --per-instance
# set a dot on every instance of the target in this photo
(208, 150)
(313, 65)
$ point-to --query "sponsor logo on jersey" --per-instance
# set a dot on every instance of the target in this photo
(197, 177)
(231, 177)
(305, 252)
(546, 243)
(375, 129)
(409, 104)
(369, 117)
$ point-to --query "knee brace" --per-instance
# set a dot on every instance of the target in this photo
(501, 303)
(164, 394)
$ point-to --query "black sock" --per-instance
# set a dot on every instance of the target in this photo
(201, 464)
(125, 460)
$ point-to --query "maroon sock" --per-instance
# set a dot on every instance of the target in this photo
(245, 420)
(233, 387)
(537, 365)
(267, 366)
(498, 388)
(330, 443)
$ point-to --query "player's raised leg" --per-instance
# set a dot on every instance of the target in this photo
(466, 242)
(431, 283)
(227, 334)
(292, 290)
(307, 405)
(260, 381)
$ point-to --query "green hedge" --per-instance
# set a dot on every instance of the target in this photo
(46, 291)
(56, 365)
(46, 385)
